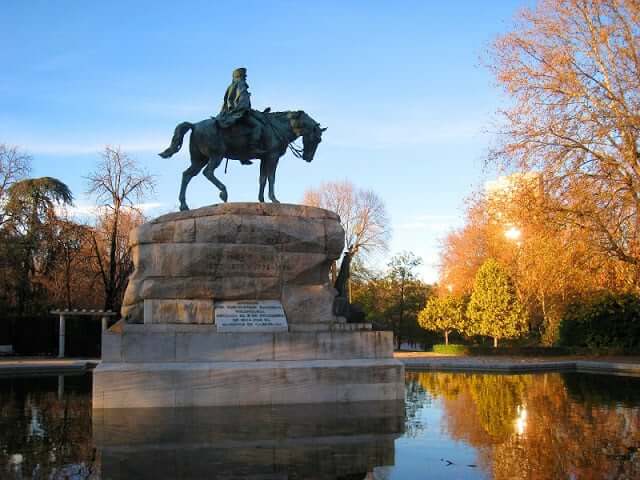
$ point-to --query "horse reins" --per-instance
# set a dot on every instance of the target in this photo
(295, 149)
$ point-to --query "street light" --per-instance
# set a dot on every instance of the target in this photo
(513, 233)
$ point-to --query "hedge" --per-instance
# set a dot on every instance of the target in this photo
(606, 320)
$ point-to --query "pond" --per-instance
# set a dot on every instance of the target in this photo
(452, 425)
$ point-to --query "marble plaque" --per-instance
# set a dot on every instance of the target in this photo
(250, 316)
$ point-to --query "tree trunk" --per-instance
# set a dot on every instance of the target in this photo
(446, 337)
(495, 342)
(400, 319)
(110, 293)
(68, 282)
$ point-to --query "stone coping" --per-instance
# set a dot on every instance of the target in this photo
(45, 366)
(519, 365)
(250, 365)
(250, 208)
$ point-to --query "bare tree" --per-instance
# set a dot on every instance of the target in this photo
(14, 166)
(572, 69)
(362, 213)
(119, 185)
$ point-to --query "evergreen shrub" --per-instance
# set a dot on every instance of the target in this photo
(606, 320)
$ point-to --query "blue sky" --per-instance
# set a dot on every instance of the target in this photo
(399, 85)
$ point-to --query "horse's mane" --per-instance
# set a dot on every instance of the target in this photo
(280, 120)
(281, 117)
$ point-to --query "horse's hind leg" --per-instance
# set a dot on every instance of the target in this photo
(263, 178)
(273, 165)
(197, 162)
(214, 162)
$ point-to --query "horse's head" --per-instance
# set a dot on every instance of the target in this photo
(310, 131)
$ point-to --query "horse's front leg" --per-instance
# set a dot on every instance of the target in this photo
(197, 162)
(263, 179)
(208, 172)
(187, 175)
(273, 165)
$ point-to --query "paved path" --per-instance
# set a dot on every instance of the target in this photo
(430, 361)
(45, 365)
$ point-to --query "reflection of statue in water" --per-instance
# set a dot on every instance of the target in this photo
(239, 133)
(237, 107)
(316, 440)
(341, 304)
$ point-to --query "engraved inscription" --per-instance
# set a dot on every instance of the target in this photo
(250, 316)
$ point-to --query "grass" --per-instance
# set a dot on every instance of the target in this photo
(451, 349)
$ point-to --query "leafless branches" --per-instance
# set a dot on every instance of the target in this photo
(14, 166)
(118, 183)
(362, 213)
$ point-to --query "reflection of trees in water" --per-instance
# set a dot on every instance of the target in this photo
(603, 389)
(415, 399)
(498, 400)
(543, 426)
(43, 435)
(480, 409)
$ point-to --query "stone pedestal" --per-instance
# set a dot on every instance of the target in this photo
(167, 350)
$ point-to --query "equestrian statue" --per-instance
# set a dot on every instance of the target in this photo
(240, 133)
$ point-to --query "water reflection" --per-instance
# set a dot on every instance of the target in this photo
(45, 428)
(49, 431)
(541, 426)
(331, 441)
(456, 425)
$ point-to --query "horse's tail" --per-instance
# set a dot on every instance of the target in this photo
(176, 141)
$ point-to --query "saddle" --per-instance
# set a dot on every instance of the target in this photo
(236, 131)
(238, 136)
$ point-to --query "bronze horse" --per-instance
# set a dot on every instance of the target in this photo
(209, 145)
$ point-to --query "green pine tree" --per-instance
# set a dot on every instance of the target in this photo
(494, 309)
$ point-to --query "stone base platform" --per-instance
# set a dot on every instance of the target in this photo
(201, 384)
(196, 366)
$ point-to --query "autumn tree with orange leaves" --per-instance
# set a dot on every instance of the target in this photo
(551, 264)
(572, 71)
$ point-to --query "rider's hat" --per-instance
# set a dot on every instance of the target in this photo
(239, 73)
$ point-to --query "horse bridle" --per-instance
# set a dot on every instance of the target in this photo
(296, 150)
